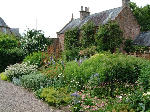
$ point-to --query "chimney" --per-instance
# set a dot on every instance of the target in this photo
(72, 17)
(84, 13)
(125, 3)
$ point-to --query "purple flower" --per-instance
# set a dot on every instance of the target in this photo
(75, 94)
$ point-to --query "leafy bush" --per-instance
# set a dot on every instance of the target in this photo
(10, 52)
(34, 41)
(128, 45)
(144, 79)
(17, 70)
(112, 70)
(69, 55)
(55, 97)
(3, 76)
(36, 58)
(109, 37)
(88, 51)
(34, 81)
(138, 101)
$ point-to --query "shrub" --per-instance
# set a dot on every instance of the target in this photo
(34, 41)
(144, 79)
(69, 55)
(109, 37)
(34, 81)
(139, 101)
(112, 71)
(17, 70)
(128, 46)
(36, 58)
(55, 97)
(10, 52)
(3, 76)
(88, 51)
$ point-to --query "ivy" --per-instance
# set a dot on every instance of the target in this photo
(71, 44)
(109, 37)
(71, 39)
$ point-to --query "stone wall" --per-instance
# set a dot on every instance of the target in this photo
(128, 23)
(61, 41)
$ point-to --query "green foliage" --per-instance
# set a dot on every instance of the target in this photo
(109, 37)
(142, 15)
(71, 39)
(34, 41)
(88, 51)
(128, 45)
(71, 44)
(3, 76)
(55, 97)
(10, 51)
(69, 55)
(17, 70)
(144, 79)
(139, 101)
(36, 58)
(34, 81)
(87, 34)
(141, 49)
(112, 70)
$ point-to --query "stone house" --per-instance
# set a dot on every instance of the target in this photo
(4, 28)
(123, 15)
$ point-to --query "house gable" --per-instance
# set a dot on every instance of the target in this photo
(128, 23)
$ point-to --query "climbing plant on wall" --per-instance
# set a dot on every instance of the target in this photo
(87, 34)
(71, 43)
(109, 37)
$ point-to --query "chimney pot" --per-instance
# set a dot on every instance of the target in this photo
(86, 9)
(125, 3)
(81, 8)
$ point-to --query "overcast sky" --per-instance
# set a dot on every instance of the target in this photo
(51, 15)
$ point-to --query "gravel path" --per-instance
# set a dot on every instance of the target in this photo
(17, 99)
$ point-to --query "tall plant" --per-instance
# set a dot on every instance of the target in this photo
(87, 34)
(109, 36)
(71, 43)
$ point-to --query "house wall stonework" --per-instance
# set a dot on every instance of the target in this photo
(128, 23)
(61, 41)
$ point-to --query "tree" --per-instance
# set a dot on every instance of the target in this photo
(109, 37)
(142, 15)
(34, 41)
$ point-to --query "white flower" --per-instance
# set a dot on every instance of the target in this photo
(145, 94)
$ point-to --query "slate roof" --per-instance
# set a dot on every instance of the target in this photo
(2, 23)
(15, 31)
(97, 18)
(143, 39)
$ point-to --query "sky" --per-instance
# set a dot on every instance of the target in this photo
(51, 16)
